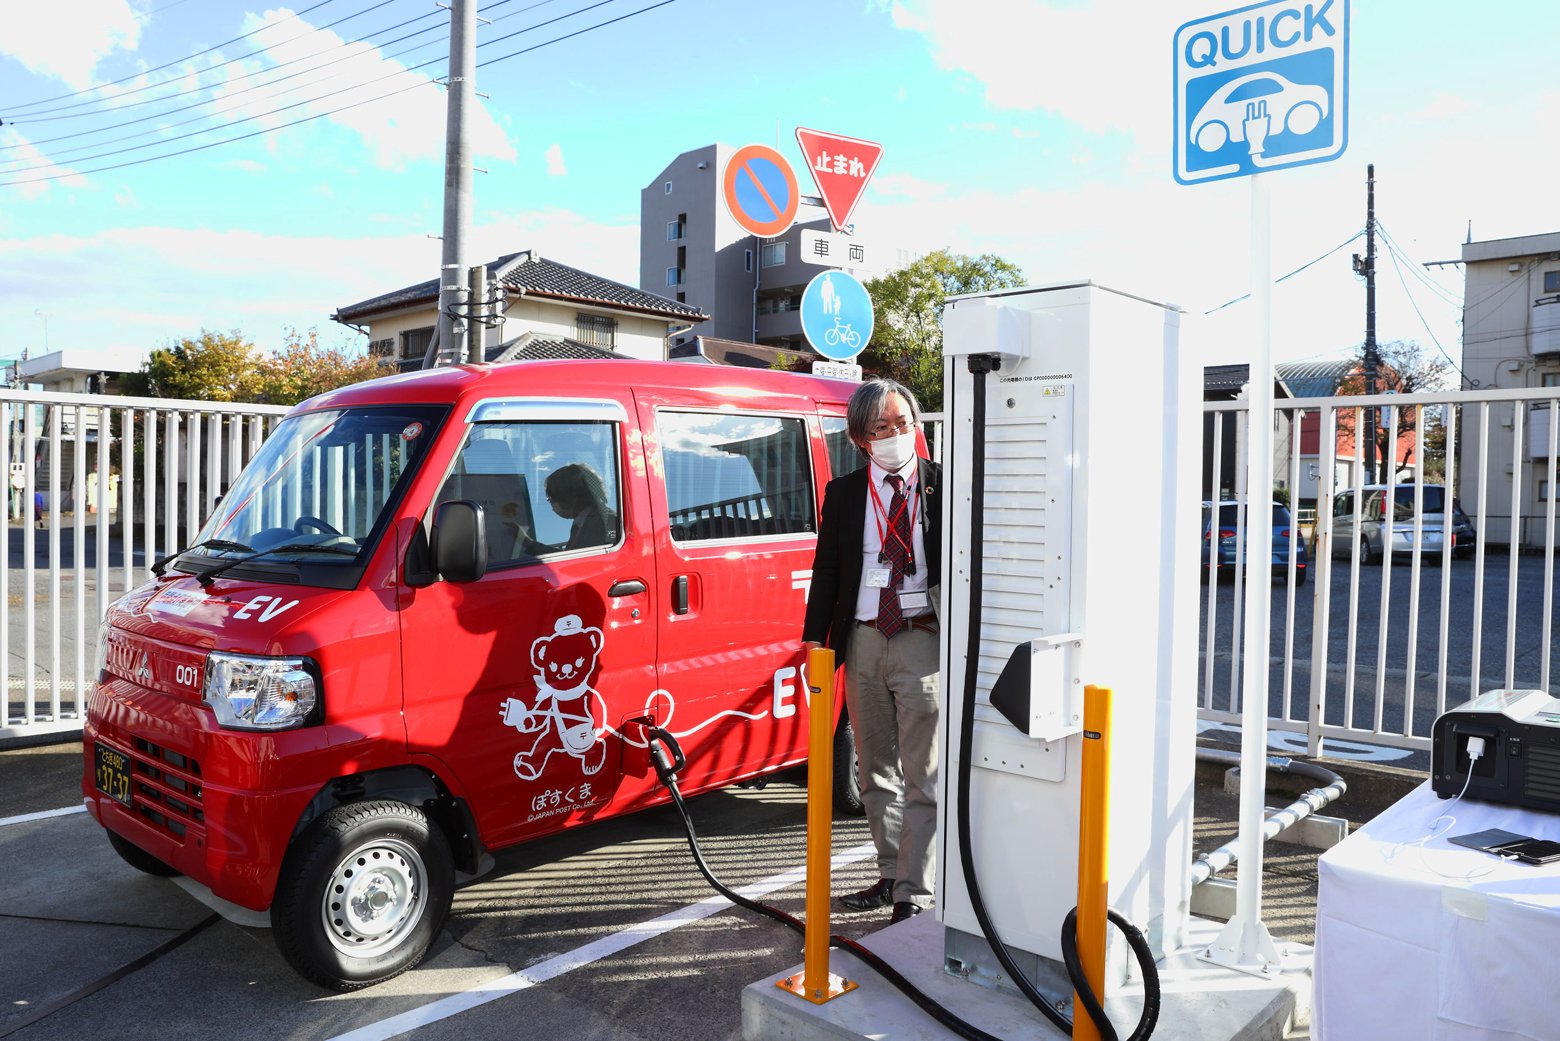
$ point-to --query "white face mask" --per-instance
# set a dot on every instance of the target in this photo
(893, 453)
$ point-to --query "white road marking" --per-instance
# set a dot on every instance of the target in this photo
(594, 951)
(42, 815)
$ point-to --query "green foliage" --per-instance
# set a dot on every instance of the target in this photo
(228, 367)
(907, 338)
(210, 367)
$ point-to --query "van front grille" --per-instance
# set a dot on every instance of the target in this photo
(166, 788)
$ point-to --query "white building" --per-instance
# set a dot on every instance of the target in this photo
(1511, 340)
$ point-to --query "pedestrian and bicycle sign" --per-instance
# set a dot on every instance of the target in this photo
(1261, 88)
(760, 191)
(837, 315)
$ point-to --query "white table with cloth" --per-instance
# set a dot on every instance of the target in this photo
(1431, 941)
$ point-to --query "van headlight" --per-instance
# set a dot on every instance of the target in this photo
(252, 693)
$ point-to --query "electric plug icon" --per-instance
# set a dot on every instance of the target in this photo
(1256, 126)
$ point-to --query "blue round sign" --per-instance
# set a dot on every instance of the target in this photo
(837, 315)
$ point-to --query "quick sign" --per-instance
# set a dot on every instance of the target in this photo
(837, 315)
(1261, 88)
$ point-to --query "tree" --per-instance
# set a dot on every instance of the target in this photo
(228, 367)
(210, 367)
(1402, 368)
(908, 305)
(301, 368)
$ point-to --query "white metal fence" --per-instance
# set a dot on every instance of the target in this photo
(1399, 621)
(98, 489)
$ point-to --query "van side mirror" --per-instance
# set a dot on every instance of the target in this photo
(459, 543)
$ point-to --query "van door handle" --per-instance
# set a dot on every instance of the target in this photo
(627, 587)
(680, 595)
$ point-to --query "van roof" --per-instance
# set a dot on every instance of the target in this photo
(573, 378)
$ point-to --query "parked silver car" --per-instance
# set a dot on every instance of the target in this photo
(1375, 529)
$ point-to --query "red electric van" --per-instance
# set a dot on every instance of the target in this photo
(436, 614)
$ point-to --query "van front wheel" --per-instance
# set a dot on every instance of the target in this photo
(362, 894)
(847, 771)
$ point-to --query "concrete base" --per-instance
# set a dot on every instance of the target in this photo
(1199, 1001)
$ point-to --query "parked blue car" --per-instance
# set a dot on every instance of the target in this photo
(1227, 521)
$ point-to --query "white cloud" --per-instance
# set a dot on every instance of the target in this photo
(24, 165)
(171, 282)
(397, 129)
(1063, 58)
(555, 167)
(67, 41)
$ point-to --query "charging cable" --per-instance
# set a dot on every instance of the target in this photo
(1475, 749)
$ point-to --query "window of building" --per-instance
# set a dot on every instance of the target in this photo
(674, 276)
(1552, 281)
(1549, 379)
(414, 342)
(747, 260)
(596, 329)
(668, 187)
(732, 476)
(544, 487)
(774, 254)
(674, 230)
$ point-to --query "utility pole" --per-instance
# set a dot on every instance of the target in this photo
(1367, 267)
(477, 308)
(462, 87)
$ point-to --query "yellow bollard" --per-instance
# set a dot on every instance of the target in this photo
(816, 983)
(1093, 848)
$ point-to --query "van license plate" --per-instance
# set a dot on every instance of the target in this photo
(113, 774)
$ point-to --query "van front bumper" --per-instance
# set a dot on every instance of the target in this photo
(197, 797)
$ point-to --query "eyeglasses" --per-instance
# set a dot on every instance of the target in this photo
(885, 430)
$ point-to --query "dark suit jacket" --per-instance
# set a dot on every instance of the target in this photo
(837, 566)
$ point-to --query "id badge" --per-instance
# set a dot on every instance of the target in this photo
(876, 577)
(914, 601)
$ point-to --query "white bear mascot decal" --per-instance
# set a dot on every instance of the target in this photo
(568, 715)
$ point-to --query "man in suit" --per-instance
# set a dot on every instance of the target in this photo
(874, 585)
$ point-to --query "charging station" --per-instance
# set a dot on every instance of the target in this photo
(1078, 562)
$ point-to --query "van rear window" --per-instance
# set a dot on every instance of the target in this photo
(734, 475)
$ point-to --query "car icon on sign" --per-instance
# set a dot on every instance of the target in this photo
(1297, 108)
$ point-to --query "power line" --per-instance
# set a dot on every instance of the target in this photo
(114, 103)
(1296, 271)
(48, 163)
(239, 94)
(167, 65)
(1398, 267)
(1440, 290)
(330, 112)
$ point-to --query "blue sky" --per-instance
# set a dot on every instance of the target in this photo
(1038, 131)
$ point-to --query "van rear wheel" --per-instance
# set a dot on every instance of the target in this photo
(362, 894)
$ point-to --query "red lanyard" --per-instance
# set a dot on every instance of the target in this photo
(885, 523)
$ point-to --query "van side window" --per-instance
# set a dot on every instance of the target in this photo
(544, 487)
(1343, 505)
(730, 475)
(844, 457)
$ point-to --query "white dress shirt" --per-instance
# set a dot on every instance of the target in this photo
(872, 540)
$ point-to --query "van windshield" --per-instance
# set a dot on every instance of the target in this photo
(318, 489)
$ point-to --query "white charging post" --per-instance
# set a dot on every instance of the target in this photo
(1087, 532)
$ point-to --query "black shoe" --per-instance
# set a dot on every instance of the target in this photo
(878, 894)
(903, 910)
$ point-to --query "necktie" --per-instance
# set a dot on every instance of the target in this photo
(896, 551)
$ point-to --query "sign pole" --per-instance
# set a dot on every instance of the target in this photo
(1245, 943)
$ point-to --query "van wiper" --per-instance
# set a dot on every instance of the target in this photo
(205, 577)
(162, 565)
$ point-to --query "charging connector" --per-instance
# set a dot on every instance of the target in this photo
(1475, 748)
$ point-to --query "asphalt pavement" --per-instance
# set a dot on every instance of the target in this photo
(587, 935)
